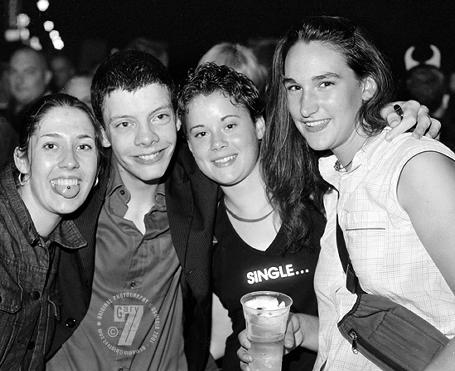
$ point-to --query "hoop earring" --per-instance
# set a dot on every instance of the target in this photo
(96, 181)
(22, 180)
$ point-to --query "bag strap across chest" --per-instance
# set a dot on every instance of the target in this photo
(352, 281)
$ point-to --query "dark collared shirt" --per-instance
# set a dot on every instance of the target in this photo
(134, 321)
(27, 272)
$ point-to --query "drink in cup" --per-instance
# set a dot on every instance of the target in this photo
(266, 315)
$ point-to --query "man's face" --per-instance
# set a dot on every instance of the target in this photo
(141, 128)
(28, 76)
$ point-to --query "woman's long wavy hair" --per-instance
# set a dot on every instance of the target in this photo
(290, 165)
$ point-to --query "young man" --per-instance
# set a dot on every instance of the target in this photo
(145, 287)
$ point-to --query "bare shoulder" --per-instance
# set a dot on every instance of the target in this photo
(426, 175)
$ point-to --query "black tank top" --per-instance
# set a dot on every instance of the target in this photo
(238, 269)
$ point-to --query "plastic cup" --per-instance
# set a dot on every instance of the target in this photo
(266, 316)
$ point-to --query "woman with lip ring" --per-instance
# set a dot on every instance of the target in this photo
(329, 82)
(222, 121)
(52, 172)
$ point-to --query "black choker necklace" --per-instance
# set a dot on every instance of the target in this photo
(240, 219)
(339, 166)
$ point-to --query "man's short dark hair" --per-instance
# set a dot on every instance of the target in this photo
(427, 85)
(128, 70)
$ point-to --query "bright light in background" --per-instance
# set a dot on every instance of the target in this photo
(35, 43)
(19, 22)
(42, 5)
(23, 20)
(12, 35)
(54, 34)
(25, 33)
(48, 26)
(58, 44)
(57, 41)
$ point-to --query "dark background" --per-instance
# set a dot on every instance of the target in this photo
(190, 27)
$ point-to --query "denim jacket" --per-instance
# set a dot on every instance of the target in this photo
(28, 264)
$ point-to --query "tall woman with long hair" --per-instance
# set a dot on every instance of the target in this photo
(329, 83)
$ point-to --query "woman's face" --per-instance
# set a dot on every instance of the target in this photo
(323, 95)
(223, 138)
(61, 162)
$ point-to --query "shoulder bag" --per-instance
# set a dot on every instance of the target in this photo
(388, 334)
